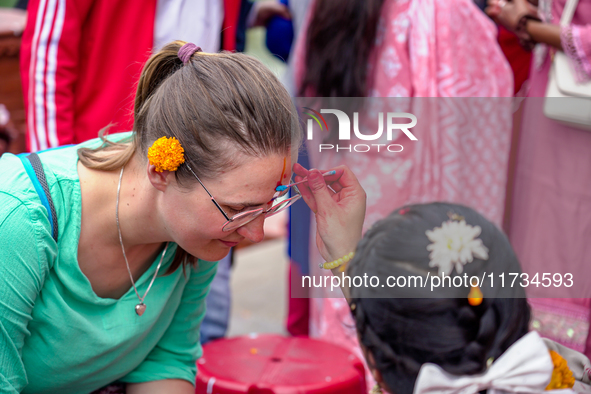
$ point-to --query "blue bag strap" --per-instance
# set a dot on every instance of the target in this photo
(34, 169)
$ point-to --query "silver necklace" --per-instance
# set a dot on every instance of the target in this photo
(141, 307)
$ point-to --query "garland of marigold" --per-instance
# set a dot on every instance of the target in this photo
(562, 376)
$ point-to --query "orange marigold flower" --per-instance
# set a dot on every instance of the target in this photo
(562, 376)
(166, 154)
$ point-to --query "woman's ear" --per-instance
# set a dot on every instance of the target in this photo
(160, 180)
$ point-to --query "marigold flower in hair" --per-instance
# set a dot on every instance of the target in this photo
(166, 154)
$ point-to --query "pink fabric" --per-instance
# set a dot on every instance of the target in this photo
(561, 320)
(550, 225)
(578, 48)
(576, 42)
(427, 48)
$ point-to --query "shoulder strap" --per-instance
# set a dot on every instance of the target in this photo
(568, 12)
(34, 169)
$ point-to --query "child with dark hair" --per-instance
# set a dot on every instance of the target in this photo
(458, 336)
(469, 337)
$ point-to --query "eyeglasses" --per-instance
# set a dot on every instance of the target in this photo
(243, 218)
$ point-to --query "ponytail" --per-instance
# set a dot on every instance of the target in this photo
(158, 68)
(111, 156)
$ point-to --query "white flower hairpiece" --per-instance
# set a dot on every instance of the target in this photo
(455, 245)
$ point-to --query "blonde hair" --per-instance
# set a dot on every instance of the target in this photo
(214, 105)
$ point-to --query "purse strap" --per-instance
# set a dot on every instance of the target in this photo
(34, 169)
(568, 12)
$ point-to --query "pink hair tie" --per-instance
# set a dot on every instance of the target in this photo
(187, 51)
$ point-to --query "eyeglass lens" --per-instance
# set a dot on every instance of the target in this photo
(246, 217)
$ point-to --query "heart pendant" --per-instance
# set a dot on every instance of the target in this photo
(140, 308)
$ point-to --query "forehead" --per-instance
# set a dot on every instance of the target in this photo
(254, 181)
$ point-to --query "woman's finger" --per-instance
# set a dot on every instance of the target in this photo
(300, 170)
(318, 188)
(492, 12)
(347, 180)
(335, 177)
(335, 186)
(331, 186)
(308, 196)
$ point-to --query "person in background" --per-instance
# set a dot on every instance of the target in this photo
(551, 209)
(80, 60)
(7, 130)
(408, 49)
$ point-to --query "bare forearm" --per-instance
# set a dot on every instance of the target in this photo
(176, 386)
(545, 33)
(514, 13)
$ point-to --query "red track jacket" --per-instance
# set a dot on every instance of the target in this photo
(80, 63)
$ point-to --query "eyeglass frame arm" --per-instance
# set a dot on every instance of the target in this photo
(212, 199)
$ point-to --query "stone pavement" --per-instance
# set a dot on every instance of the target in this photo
(258, 283)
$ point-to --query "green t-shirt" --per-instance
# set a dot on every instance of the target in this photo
(56, 334)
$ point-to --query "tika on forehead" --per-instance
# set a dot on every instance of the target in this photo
(283, 171)
(280, 179)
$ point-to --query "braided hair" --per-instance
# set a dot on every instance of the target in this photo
(404, 328)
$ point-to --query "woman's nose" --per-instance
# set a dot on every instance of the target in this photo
(253, 231)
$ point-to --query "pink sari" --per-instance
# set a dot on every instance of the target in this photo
(550, 224)
(426, 48)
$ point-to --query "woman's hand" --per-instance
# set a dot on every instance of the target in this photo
(508, 13)
(339, 212)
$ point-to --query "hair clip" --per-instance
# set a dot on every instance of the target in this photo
(166, 154)
(475, 296)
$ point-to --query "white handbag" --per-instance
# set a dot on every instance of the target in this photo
(567, 101)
